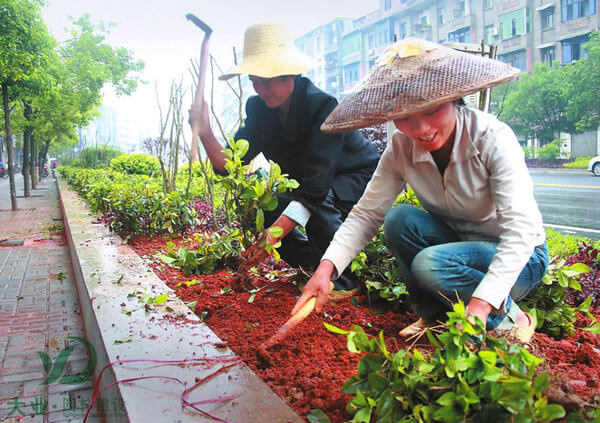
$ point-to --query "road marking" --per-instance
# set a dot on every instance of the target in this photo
(566, 186)
(573, 228)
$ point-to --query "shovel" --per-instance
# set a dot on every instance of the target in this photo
(287, 328)
(201, 79)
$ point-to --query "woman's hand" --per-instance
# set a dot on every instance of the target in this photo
(480, 308)
(318, 286)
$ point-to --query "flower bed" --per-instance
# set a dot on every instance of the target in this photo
(309, 368)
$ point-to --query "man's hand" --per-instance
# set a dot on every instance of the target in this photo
(318, 286)
(479, 308)
(199, 116)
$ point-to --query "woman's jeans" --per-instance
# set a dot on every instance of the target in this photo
(438, 267)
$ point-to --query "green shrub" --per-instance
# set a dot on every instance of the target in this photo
(470, 376)
(562, 245)
(136, 164)
(547, 302)
(205, 252)
(132, 204)
(528, 151)
(96, 157)
(549, 153)
(578, 163)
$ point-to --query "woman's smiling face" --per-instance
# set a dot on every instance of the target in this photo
(431, 128)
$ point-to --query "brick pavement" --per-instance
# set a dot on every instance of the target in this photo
(38, 311)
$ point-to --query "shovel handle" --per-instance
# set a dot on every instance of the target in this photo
(292, 322)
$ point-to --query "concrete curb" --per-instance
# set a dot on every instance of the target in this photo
(106, 273)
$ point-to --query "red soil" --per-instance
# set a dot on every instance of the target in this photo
(310, 366)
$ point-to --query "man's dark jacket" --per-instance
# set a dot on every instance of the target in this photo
(318, 161)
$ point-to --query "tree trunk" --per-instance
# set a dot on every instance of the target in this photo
(9, 149)
(26, 151)
(33, 162)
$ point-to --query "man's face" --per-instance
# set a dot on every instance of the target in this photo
(274, 91)
(432, 128)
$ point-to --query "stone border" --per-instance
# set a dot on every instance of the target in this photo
(106, 272)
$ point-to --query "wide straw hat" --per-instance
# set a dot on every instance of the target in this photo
(412, 75)
(269, 51)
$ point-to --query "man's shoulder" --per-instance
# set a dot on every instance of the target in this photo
(314, 92)
(316, 100)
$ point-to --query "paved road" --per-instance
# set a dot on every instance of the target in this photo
(569, 200)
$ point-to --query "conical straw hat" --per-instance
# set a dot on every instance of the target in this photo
(412, 75)
(269, 51)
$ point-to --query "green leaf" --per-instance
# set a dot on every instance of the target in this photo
(252, 297)
(540, 383)
(585, 306)
(362, 416)
(595, 328)
(579, 268)
(275, 231)
(335, 329)
(242, 146)
(260, 220)
(447, 399)
(161, 299)
(317, 416)
(553, 412)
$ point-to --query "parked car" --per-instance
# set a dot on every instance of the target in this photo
(594, 165)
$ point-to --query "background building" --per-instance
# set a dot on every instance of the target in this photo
(525, 32)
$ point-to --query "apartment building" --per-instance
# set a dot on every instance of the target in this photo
(525, 31)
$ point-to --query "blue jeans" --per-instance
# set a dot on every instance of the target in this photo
(438, 267)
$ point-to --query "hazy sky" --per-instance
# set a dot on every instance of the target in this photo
(158, 33)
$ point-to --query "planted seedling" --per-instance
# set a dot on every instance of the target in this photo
(469, 376)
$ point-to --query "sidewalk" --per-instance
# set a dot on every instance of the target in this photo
(38, 313)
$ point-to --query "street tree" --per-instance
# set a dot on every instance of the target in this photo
(537, 103)
(23, 39)
(583, 88)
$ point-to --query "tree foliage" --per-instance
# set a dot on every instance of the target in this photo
(61, 83)
(554, 99)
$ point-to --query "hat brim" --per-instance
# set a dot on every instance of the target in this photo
(271, 66)
(407, 85)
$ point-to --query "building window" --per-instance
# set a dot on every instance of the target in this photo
(548, 55)
(318, 44)
(488, 4)
(460, 10)
(572, 49)
(387, 4)
(547, 17)
(351, 74)
(402, 30)
(514, 23)
(490, 34)
(441, 16)
(371, 41)
(462, 35)
(518, 59)
(351, 44)
(575, 9)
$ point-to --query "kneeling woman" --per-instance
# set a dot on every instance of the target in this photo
(480, 237)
